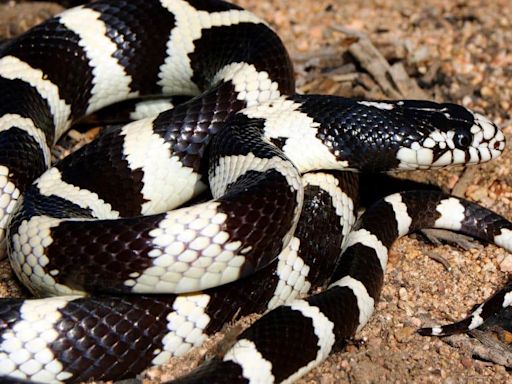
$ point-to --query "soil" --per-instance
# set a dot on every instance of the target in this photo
(452, 51)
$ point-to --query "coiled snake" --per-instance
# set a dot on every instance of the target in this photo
(162, 280)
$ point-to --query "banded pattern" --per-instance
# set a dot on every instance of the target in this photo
(242, 128)
(167, 326)
(323, 322)
(258, 193)
(126, 61)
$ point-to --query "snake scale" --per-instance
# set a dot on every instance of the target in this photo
(136, 274)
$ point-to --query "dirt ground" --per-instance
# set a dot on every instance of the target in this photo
(454, 51)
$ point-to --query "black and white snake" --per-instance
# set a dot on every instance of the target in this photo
(162, 280)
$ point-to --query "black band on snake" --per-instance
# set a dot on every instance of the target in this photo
(139, 276)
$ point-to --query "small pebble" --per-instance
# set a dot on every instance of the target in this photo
(466, 362)
(506, 264)
(404, 334)
(402, 293)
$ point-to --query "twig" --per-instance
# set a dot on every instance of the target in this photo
(485, 347)
(465, 180)
(393, 80)
(326, 52)
(436, 236)
(408, 88)
(440, 259)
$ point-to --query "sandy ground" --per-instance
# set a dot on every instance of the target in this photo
(456, 51)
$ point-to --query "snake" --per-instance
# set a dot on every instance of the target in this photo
(130, 262)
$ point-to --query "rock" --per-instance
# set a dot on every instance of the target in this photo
(404, 334)
(402, 293)
(506, 264)
(466, 362)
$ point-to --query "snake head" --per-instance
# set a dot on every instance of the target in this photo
(454, 135)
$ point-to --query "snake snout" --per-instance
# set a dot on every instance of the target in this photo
(488, 140)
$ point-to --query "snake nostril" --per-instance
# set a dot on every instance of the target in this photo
(497, 145)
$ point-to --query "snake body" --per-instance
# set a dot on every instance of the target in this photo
(162, 280)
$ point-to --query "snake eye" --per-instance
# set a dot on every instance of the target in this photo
(462, 139)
